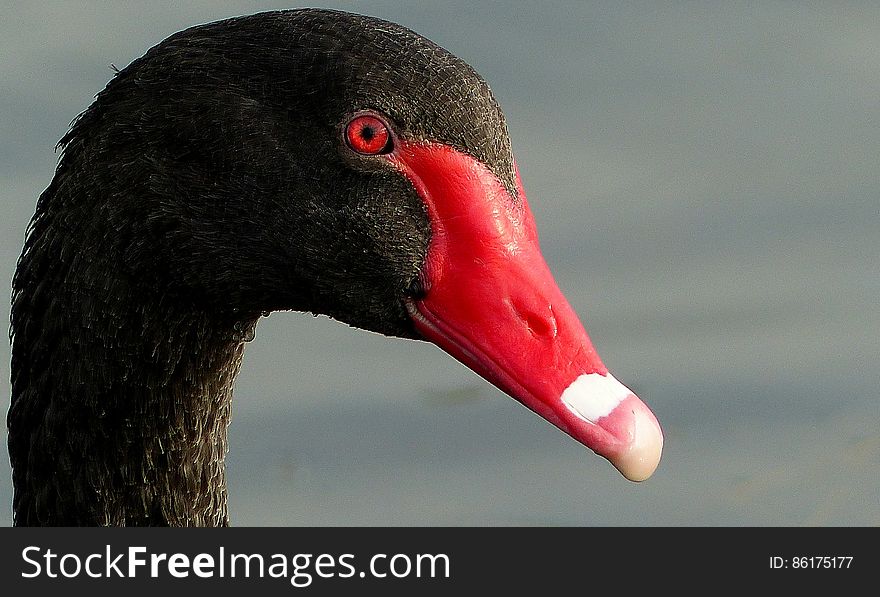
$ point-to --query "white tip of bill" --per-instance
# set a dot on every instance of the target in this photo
(604, 401)
(592, 396)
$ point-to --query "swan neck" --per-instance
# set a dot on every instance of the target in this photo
(120, 405)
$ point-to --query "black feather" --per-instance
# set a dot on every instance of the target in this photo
(208, 184)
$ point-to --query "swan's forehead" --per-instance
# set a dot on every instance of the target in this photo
(430, 93)
(316, 67)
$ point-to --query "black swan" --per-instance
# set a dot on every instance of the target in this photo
(307, 160)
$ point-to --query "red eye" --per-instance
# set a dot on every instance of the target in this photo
(368, 135)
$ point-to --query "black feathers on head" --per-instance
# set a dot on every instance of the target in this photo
(217, 167)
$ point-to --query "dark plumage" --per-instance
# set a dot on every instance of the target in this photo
(208, 184)
(305, 160)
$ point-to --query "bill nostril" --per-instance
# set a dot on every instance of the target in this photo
(539, 324)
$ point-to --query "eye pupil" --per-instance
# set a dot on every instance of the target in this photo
(369, 135)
